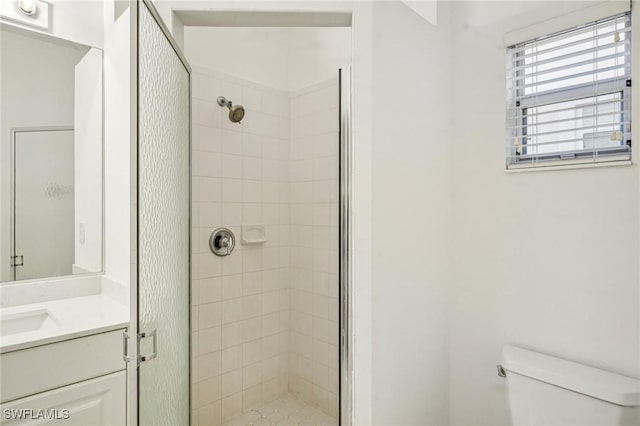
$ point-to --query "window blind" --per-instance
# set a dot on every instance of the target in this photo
(569, 96)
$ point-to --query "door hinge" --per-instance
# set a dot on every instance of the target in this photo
(140, 358)
(15, 262)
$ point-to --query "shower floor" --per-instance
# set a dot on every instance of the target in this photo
(285, 411)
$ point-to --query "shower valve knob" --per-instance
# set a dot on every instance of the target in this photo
(222, 242)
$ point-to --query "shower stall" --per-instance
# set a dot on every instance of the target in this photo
(242, 222)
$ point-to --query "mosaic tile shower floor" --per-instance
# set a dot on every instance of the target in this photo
(285, 411)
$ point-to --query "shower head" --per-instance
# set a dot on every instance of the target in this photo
(236, 112)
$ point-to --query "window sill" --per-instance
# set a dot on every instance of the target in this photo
(567, 165)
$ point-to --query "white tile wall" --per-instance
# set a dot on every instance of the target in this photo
(265, 319)
(240, 302)
(313, 344)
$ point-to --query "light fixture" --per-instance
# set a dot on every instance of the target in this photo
(28, 7)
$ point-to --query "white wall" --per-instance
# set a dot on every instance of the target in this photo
(285, 58)
(118, 219)
(411, 216)
(315, 54)
(88, 106)
(546, 260)
(253, 54)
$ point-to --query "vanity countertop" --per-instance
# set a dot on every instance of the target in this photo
(48, 321)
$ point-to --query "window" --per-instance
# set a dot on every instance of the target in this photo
(569, 96)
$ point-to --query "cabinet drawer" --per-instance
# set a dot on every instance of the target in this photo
(97, 402)
(46, 367)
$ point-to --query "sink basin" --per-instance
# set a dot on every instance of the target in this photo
(22, 322)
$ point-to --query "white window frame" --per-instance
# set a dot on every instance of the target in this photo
(580, 157)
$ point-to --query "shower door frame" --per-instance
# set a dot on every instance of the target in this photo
(132, 349)
(345, 156)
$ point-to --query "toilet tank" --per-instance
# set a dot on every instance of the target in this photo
(549, 391)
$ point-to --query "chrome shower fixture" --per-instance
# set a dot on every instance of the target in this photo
(236, 112)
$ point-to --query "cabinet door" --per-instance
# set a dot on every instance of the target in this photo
(57, 364)
(100, 401)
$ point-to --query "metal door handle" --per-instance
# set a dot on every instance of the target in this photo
(153, 334)
(125, 347)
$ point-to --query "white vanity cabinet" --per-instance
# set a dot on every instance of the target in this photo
(99, 401)
(80, 381)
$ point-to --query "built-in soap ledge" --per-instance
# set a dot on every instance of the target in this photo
(254, 234)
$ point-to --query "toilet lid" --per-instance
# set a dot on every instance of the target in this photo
(594, 382)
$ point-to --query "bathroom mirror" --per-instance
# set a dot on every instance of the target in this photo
(51, 167)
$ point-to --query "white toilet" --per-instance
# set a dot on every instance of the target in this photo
(549, 391)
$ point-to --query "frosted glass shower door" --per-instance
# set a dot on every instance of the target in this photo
(43, 203)
(163, 224)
